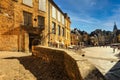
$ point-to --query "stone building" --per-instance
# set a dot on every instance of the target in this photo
(59, 26)
(115, 30)
(24, 23)
(74, 39)
(115, 34)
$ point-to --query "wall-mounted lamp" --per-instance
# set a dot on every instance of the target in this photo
(35, 19)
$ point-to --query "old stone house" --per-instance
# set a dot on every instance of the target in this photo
(27, 22)
(59, 26)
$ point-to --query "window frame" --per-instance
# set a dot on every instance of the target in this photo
(28, 4)
(53, 27)
(28, 18)
(41, 21)
(41, 4)
(59, 30)
(54, 12)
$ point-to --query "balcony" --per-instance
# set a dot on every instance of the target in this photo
(31, 29)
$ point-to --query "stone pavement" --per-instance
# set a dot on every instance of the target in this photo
(105, 60)
(22, 66)
(12, 69)
(19, 66)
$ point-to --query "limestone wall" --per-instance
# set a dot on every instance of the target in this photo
(8, 42)
(68, 63)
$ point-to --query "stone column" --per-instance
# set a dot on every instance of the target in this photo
(26, 42)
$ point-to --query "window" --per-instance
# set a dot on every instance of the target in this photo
(42, 5)
(53, 12)
(41, 21)
(77, 37)
(63, 32)
(59, 17)
(53, 28)
(59, 30)
(27, 18)
(28, 2)
(63, 21)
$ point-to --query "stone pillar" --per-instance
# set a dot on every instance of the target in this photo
(26, 42)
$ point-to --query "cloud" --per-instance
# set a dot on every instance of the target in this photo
(82, 18)
(109, 21)
(91, 14)
(93, 3)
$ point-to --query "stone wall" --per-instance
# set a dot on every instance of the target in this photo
(8, 42)
(68, 64)
(8, 33)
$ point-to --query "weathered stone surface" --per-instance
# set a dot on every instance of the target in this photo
(12, 23)
(68, 63)
(8, 37)
(51, 65)
(6, 41)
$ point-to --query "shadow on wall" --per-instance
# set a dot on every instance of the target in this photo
(9, 39)
(53, 70)
(43, 70)
(66, 63)
(55, 65)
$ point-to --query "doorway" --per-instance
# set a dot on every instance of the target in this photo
(32, 38)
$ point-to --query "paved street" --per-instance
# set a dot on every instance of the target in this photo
(105, 60)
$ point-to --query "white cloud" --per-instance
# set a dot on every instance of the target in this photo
(114, 18)
(80, 11)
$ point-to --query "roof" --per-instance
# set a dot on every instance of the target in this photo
(115, 27)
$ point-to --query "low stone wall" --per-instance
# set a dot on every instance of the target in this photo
(67, 64)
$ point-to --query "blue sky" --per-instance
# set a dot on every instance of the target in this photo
(89, 15)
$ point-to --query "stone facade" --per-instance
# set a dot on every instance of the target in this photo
(74, 39)
(20, 25)
(59, 27)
